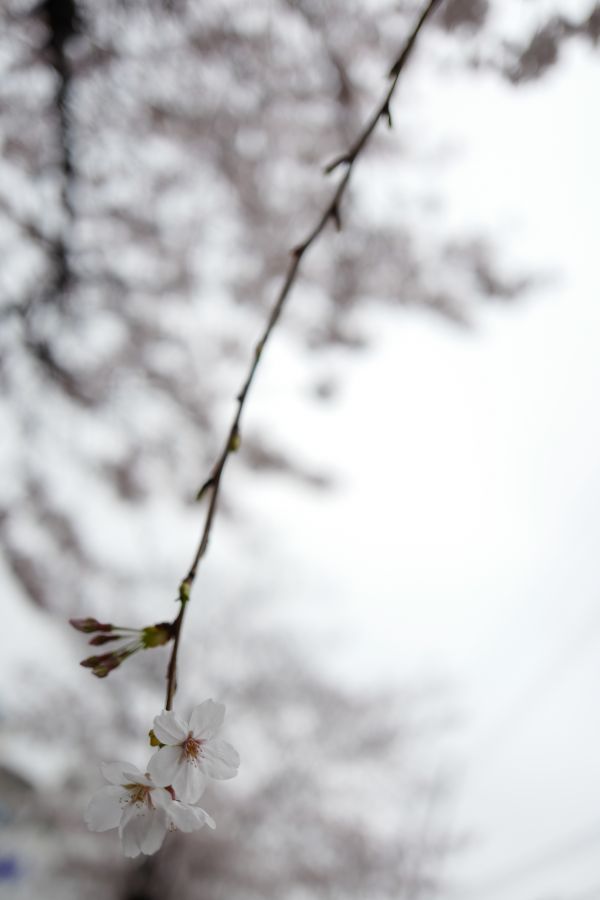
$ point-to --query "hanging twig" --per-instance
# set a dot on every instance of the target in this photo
(332, 211)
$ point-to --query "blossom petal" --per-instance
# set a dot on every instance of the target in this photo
(169, 728)
(189, 782)
(156, 825)
(188, 818)
(132, 828)
(206, 719)
(106, 808)
(220, 760)
(120, 773)
(164, 765)
(146, 780)
(161, 798)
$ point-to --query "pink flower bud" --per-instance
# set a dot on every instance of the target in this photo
(89, 625)
(104, 639)
(102, 665)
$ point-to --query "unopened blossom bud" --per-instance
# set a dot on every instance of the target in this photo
(92, 661)
(102, 665)
(134, 639)
(104, 639)
(89, 625)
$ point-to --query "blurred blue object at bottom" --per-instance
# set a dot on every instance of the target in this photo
(10, 869)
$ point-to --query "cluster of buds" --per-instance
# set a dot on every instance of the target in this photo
(134, 639)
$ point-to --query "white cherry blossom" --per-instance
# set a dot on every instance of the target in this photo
(191, 752)
(142, 811)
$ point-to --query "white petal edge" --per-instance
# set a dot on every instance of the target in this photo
(220, 760)
(188, 818)
(145, 779)
(169, 728)
(206, 719)
(106, 808)
(164, 765)
(120, 772)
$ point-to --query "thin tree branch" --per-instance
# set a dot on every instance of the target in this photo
(332, 211)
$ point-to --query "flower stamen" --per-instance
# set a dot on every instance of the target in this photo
(191, 747)
(140, 794)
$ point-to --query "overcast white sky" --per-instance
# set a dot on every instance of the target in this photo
(462, 539)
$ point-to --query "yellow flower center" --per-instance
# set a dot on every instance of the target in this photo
(140, 794)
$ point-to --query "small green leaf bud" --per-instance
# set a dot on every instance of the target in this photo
(154, 741)
(157, 635)
(235, 441)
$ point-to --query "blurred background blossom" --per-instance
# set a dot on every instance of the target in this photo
(399, 606)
